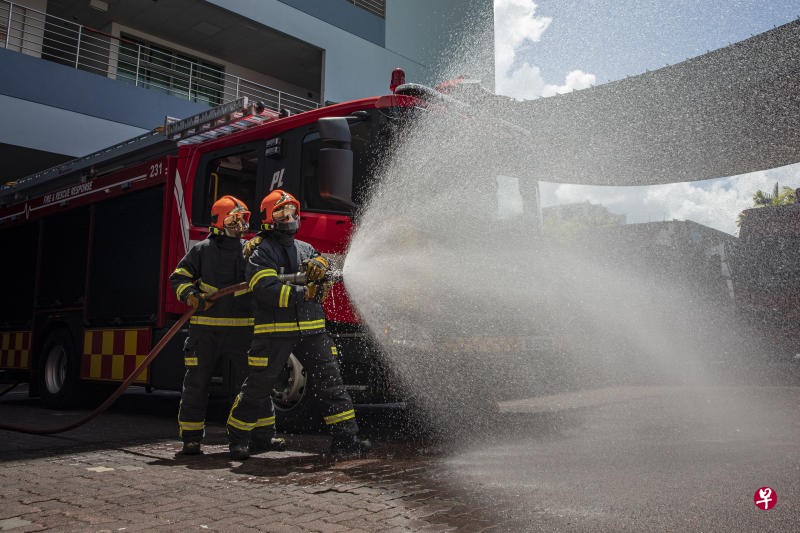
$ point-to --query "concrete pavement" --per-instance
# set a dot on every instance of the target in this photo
(614, 459)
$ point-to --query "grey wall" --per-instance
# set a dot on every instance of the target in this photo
(344, 15)
(453, 37)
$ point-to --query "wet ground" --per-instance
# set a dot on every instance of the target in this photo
(613, 459)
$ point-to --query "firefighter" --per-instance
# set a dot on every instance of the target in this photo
(289, 319)
(219, 332)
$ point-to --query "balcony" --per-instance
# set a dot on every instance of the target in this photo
(133, 60)
(376, 7)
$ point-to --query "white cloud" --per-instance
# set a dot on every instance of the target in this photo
(516, 24)
(575, 79)
(714, 203)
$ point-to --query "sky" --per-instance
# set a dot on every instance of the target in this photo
(547, 47)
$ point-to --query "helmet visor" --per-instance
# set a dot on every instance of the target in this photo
(238, 219)
(285, 213)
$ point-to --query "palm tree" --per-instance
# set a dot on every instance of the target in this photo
(780, 196)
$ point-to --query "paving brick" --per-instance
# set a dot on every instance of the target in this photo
(14, 509)
(324, 527)
(152, 490)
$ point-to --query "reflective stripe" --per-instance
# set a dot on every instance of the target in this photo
(205, 287)
(220, 321)
(242, 292)
(183, 272)
(340, 417)
(257, 361)
(191, 426)
(262, 274)
(182, 287)
(283, 299)
(285, 327)
(334, 350)
(238, 424)
(233, 407)
(265, 422)
(190, 361)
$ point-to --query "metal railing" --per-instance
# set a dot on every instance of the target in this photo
(376, 7)
(38, 34)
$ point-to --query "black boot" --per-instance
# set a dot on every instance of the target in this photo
(191, 447)
(239, 451)
(349, 446)
(275, 444)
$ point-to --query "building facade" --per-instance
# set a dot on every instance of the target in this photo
(79, 75)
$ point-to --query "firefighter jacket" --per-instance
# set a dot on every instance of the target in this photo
(210, 265)
(279, 308)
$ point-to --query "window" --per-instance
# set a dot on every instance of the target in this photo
(235, 174)
(155, 67)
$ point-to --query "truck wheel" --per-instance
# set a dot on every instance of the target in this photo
(59, 375)
(293, 397)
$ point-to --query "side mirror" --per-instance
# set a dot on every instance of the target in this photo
(335, 171)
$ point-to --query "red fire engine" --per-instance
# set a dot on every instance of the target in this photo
(93, 240)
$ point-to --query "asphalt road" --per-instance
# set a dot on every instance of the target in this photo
(614, 459)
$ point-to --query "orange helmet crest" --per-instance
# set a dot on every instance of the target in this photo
(275, 200)
(225, 209)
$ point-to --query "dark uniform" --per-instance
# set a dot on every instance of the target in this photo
(286, 323)
(222, 332)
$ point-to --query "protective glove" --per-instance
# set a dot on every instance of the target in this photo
(324, 291)
(317, 291)
(198, 302)
(316, 268)
(251, 245)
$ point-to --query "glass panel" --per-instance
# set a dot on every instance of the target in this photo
(159, 68)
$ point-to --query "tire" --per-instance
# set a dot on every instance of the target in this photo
(294, 396)
(59, 371)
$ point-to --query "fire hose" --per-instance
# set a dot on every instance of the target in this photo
(297, 278)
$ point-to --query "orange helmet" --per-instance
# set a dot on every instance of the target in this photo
(229, 215)
(280, 211)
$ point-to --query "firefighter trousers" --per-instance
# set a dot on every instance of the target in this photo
(252, 415)
(204, 349)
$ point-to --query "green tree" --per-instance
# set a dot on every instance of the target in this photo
(570, 221)
(780, 196)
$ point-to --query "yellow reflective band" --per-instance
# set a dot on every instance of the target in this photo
(220, 321)
(183, 272)
(238, 424)
(257, 361)
(191, 426)
(340, 417)
(262, 274)
(182, 287)
(190, 361)
(334, 350)
(283, 299)
(265, 422)
(242, 292)
(287, 327)
(233, 407)
(205, 287)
